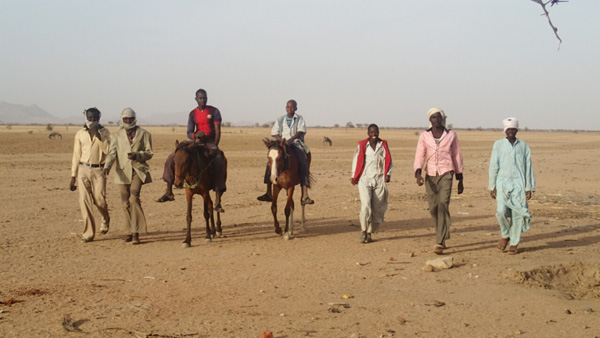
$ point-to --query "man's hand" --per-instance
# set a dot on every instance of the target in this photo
(105, 172)
(352, 181)
(132, 156)
(199, 135)
(493, 193)
(528, 195)
(72, 185)
(420, 179)
(387, 179)
(461, 188)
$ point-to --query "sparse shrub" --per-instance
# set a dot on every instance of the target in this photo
(49, 127)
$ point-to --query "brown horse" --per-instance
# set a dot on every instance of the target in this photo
(283, 166)
(192, 164)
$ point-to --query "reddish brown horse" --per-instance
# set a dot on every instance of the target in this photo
(192, 167)
(283, 166)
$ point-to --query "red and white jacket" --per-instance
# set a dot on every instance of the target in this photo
(382, 154)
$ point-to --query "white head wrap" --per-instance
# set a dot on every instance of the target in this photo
(128, 112)
(436, 110)
(510, 122)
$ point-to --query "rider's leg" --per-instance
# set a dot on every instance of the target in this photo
(268, 196)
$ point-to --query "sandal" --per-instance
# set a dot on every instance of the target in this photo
(165, 198)
(503, 243)
(264, 198)
(512, 250)
(307, 200)
(438, 249)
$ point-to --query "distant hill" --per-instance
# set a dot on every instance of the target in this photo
(20, 114)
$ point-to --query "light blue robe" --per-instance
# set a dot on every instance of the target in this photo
(511, 174)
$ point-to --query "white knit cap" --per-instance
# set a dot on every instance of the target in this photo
(510, 122)
(436, 110)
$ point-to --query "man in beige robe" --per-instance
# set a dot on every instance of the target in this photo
(130, 149)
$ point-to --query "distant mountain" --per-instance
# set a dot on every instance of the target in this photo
(20, 114)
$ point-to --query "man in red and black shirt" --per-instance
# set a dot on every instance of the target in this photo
(203, 122)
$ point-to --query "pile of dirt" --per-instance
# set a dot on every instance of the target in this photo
(575, 280)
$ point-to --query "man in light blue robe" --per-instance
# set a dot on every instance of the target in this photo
(511, 183)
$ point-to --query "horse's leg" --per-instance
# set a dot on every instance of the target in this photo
(187, 242)
(275, 193)
(219, 230)
(289, 214)
(303, 223)
(208, 216)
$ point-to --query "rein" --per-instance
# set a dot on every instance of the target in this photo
(197, 179)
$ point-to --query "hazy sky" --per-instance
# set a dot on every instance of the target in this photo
(385, 62)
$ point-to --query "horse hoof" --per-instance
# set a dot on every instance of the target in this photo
(219, 234)
(185, 245)
(207, 240)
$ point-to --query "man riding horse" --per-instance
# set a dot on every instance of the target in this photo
(204, 125)
(292, 128)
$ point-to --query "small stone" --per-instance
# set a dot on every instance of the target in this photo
(440, 263)
(266, 334)
(567, 311)
(517, 332)
(428, 268)
(587, 309)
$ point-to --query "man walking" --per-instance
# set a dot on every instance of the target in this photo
(439, 155)
(511, 184)
(89, 153)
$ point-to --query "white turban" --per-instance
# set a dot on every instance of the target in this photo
(436, 110)
(510, 122)
(128, 112)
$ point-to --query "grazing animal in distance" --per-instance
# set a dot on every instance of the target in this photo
(192, 167)
(284, 168)
(327, 141)
(55, 135)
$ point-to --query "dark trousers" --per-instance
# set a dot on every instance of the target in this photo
(302, 168)
(217, 171)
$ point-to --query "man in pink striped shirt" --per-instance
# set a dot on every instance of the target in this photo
(438, 154)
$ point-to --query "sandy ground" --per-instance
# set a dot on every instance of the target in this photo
(322, 283)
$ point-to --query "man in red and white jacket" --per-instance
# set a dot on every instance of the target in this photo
(371, 169)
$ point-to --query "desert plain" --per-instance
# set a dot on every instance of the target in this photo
(320, 283)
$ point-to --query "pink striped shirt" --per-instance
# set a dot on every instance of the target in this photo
(439, 158)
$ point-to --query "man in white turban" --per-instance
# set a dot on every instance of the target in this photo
(511, 184)
(439, 156)
(130, 148)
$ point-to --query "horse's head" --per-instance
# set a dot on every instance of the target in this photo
(276, 157)
(182, 162)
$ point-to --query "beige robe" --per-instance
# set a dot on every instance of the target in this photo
(120, 147)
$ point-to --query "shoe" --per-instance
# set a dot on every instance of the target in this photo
(136, 239)
(165, 198)
(104, 227)
(128, 238)
(85, 239)
(362, 239)
(264, 198)
(438, 249)
(503, 243)
(307, 200)
(369, 239)
(512, 250)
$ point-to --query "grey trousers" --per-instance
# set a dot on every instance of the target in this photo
(135, 220)
(438, 190)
